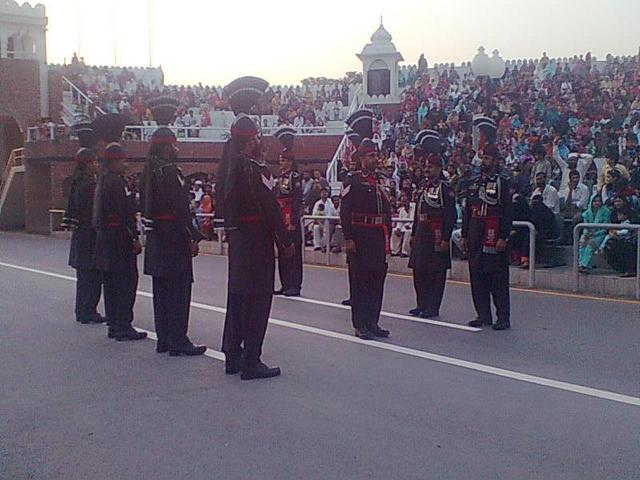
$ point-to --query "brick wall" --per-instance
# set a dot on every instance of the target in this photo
(55, 95)
(37, 197)
(20, 90)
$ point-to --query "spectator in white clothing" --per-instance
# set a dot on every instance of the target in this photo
(322, 229)
(401, 233)
(549, 194)
(575, 196)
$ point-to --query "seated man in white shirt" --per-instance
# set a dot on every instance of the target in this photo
(576, 196)
(322, 229)
(401, 232)
(549, 194)
(576, 162)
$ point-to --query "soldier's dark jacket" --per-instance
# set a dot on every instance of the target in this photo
(115, 222)
(487, 217)
(256, 223)
(290, 198)
(365, 214)
(434, 220)
(78, 218)
(168, 224)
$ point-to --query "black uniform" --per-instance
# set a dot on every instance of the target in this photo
(170, 232)
(253, 221)
(78, 218)
(487, 217)
(365, 215)
(434, 220)
(115, 223)
(289, 196)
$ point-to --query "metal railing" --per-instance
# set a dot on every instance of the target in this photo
(603, 226)
(14, 160)
(83, 100)
(332, 168)
(52, 213)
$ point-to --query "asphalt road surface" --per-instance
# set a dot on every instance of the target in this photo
(555, 397)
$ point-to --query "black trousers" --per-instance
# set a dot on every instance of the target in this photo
(429, 287)
(488, 285)
(367, 290)
(245, 326)
(88, 290)
(290, 269)
(119, 298)
(171, 304)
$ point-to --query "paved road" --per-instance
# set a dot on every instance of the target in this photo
(556, 397)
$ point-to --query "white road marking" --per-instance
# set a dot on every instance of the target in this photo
(386, 314)
(500, 372)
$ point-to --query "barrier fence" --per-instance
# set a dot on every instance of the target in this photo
(599, 226)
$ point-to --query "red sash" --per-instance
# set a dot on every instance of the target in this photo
(373, 221)
(286, 208)
(490, 234)
(435, 224)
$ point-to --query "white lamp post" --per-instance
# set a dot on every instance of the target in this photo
(492, 68)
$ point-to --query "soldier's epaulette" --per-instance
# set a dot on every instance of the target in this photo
(295, 175)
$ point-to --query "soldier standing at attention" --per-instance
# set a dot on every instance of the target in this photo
(365, 214)
(78, 218)
(435, 217)
(117, 245)
(253, 222)
(172, 240)
(486, 225)
(289, 196)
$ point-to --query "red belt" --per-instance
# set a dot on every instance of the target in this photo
(250, 219)
(373, 221)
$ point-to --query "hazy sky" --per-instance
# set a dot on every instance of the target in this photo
(284, 41)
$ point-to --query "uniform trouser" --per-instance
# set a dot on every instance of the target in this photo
(245, 325)
(367, 289)
(119, 298)
(88, 289)
(171, 302)
(290, 269)
(429, 287)
(487, 285)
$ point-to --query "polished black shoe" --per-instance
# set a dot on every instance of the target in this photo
(130, 335)
(292, 292)
(501, 326)
(162, 347)
(189, 350)
(364, 334)
(429, 314)
(346, 302)
(479, 323)
(380, 332)
(415, 312)
(97, 318)
(111, 333)
(231, 367)
(279, 292)
(259, 371)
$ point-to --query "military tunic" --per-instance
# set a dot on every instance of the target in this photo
(78, 218)
(434, 220)
(169, 234)
(365, 214)
(487, 217)
(290, 199)
(115, 223)
(254, 222)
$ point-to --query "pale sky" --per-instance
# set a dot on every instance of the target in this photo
(214, 41)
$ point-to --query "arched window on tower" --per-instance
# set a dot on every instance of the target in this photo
(11, 47)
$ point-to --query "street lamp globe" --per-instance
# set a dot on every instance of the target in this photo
(496, 66)
(480, 64)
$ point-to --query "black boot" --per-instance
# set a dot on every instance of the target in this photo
(279, 292)
(187, 349)
(129, 335)
(259, 370)
(162, 347)
(292, 292)
(478, 322)
(415, 312)
(380, 332)
(364, 334)
(501, 325)
(346, 302)
(429, 314)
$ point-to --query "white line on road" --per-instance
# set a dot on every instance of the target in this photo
(500, 372)
(387, 314)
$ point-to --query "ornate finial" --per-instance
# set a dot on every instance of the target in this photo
(381, 23)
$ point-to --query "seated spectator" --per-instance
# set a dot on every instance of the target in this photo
(575, 197)
(322, 229)
(611, 165)
(520, 183)
(549, 194)
(401, 232)
(337, 236)
(620, 245)
(542, 218)
(591, 239)
(541, 164)
(519, 237)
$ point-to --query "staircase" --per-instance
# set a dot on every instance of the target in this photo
(76, 104)
(12, 209)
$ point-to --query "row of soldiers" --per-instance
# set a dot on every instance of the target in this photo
(256, 216)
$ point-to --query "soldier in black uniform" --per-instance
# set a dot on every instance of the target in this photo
(289, 196)
(434, 220)
(172, 240)
(78, 219)
(486, 224)
(365, 214)
(253, 222)
(117, 245)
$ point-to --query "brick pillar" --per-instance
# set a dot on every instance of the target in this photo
(37, 197)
